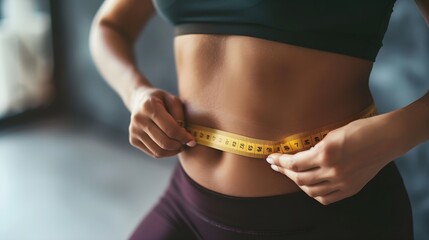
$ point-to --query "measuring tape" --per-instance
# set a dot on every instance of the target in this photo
(257, 148)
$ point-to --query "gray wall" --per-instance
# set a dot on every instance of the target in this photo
(400, 75)
(87, 95)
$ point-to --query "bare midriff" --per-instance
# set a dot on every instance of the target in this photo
(260, 89)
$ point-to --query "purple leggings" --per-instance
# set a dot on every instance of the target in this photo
(187, 210)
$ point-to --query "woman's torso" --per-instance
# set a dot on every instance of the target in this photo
(261, 89)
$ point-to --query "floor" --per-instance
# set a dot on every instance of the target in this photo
(61, 181)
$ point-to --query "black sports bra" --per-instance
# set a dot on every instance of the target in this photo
(351, 27)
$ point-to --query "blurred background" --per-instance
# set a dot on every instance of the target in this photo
(66, 168)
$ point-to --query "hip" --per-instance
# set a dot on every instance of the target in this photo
(381, 210)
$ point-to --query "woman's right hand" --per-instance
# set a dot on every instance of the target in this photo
(154, 126)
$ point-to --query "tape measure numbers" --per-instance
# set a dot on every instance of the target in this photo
(257, 148)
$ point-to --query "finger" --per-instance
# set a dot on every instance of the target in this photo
(137, 143)
(140, 145)
(331, 197)
(274, 158)
(301, 161)
(320, 189)
(310, 177)
(160, 138)
(155, 150)
(170, 127)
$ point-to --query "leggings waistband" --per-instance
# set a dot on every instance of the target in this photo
(292, 209)
(247, 212)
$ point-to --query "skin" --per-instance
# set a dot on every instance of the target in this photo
(261, 89)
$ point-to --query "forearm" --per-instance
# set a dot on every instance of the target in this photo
(411, 124)
(114, 57)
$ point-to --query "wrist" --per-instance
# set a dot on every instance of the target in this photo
(136, 96)
(137, 84)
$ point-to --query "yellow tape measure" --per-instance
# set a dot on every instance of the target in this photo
(257, 148)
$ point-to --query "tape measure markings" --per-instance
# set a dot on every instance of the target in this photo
(258, 148)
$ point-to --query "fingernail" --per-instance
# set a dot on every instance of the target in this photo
(191, 143)
(275, 168)
(270, 160)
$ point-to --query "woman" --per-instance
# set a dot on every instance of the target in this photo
(266, 70)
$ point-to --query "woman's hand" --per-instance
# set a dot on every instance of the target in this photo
(342, 163)
(154, 126)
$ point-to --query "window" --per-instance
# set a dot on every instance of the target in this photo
(26, 63)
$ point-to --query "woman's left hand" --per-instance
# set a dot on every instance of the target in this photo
(342, 163)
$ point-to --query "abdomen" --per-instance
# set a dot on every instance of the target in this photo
(265, 90)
